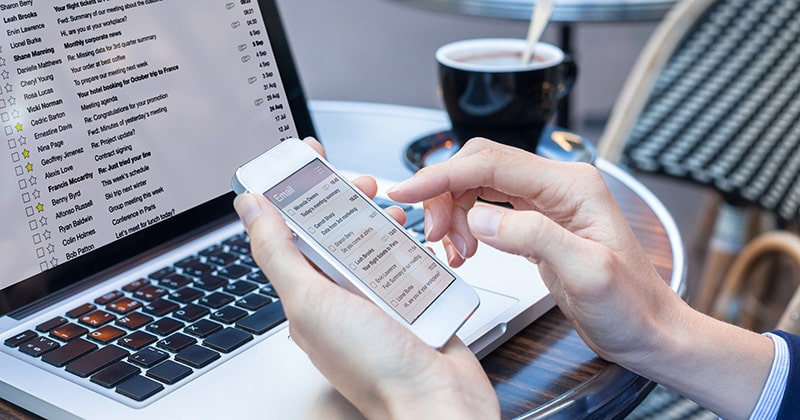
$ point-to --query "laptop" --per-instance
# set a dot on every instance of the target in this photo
(128, 288)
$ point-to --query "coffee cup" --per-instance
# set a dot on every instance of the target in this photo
(489, 92)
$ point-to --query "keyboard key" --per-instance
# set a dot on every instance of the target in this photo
(109, 297)
(169, 372)
(263, 319)
(233, 271)
(216, 300)
(228, 314)
(136, 285)
(97, 318)
(81, 310)
(93, 362)
(175, 281)
(213, 249)
(68, 332)
(38, 346)
(49, 325)
(191, 312)
(222, 258)
(134, 320)
(71, 351)
(176, 342)
(20, 338)
(165, 326)
(198, 269)
(160, 274)
(227, 340)
(210, 282)
(124, 305)
(113, 374)
(160, 307)
(187, 261)
(196, 356)
(150, 293)
(203, 328)
(258, 277)
(137, 340)
(186, 295)
(253, 301)
(239, 245)
(106, 334)
(240, 288)
(148, 357)
(139, 388)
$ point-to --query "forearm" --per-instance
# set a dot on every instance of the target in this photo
(720, 366)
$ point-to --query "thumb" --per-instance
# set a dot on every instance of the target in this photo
(526, 233)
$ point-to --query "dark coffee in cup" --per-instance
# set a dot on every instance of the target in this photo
(488, 91)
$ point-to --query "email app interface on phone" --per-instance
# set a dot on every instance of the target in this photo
(389, 262)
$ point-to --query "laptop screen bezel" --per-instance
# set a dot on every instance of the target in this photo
(15, 299)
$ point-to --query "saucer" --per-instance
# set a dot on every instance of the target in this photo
(554, 144)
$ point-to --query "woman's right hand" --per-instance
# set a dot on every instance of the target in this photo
(565, 219)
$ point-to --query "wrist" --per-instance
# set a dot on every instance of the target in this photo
(720, 366)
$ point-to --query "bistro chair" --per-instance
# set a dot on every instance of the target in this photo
(714, 100)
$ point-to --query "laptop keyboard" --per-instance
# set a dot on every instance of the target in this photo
(156, 332)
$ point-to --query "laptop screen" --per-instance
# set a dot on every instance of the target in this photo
(122, 122)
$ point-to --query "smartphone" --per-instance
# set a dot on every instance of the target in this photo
(359, 246)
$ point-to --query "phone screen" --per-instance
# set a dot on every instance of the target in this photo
(373, 248)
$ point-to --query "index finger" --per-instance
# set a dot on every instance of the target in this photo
(482, 164)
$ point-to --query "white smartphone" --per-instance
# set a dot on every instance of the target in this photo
(357, 244)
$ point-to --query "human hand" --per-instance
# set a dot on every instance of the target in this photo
(565, 219)
(377, 364)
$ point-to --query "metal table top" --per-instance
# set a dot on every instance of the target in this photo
(563, 11)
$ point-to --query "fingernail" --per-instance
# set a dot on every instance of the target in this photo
(484, 220)
(397, 187)
(427, 224)
(247, 207)
(451, 253)
(459, 244)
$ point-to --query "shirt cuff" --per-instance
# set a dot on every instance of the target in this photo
(771, 396)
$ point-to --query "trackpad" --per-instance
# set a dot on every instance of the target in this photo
(485, 318)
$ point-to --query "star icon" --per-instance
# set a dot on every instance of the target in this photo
(40, 207)
(12, 100)
(47, 235)
(32, 180)
(29, 167)
(36, 194)
(54, 261)
(2, 61)
(26, 153)
(22, 140)
(15, 114)
(4, 74)
(18, 127)
(43, 221)
(51, 249)
(9, 87)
